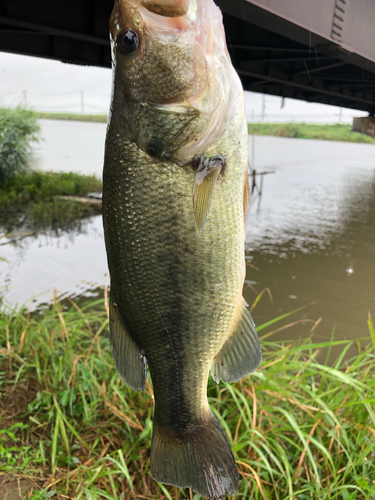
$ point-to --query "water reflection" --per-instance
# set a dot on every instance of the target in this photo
(65, 218)
(39, 266)
(314, 240)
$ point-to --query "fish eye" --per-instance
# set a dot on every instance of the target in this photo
(128, 41)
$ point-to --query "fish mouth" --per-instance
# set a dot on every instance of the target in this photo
(167, 8)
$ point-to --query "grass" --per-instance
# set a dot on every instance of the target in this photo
(27, 200)
(299, 428)
(336, 132)
(37, 187)
(27, 197)
(72, 116)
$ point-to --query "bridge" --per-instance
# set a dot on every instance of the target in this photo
(315, 50)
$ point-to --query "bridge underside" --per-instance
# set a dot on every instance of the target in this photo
(273, 51)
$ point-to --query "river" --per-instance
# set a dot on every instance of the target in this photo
(310, 240)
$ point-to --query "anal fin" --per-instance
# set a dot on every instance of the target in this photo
(241, 354)
(131, 364)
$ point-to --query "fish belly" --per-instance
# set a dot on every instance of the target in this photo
(177, 292)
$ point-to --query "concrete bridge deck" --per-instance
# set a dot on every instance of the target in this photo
(315, 50)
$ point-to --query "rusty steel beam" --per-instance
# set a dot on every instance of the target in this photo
(276, 45)
(315, 24)
(47, 30)
(293, 83)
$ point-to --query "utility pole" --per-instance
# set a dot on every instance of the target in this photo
(82, 102)
(263, 107)
(25, 98)
(340, 115)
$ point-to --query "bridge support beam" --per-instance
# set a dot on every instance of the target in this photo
(364, 125)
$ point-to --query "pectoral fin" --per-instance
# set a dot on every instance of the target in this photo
(131, 364)
(241, 354)
(205, 179)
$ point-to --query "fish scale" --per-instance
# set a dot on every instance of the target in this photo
(174, 221)
(157, 242)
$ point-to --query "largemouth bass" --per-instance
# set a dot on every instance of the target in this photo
(175, 198)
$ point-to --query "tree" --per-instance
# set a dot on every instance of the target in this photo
(18, 129)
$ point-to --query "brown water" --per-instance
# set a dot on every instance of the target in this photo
(312, 238)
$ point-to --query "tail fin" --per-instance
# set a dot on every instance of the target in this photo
(203, 460)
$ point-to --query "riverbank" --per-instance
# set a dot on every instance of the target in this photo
(297, 427)
(72, 117)
(337, 132)
(35, 200)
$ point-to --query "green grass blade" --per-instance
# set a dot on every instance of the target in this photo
(54, 443)
(371, 329)
(279, 318)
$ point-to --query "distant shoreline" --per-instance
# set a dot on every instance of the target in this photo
(336, 132)
(71, 117)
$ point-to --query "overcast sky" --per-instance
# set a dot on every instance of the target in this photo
(47, 85)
